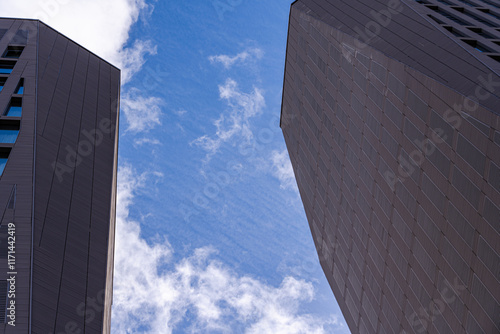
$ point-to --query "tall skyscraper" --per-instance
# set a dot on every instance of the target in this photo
(391, 118)
(58, 159)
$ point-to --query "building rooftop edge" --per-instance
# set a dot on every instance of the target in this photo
(64, 35)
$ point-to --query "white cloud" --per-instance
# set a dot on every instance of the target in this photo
(149, 298)
(242, 57)
(180, 112)
(242, 107)
(142, 113)
(130, 60)
(101, 26)
(282, 169)
(148, 141)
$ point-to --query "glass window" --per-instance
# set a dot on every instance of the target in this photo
(481, 32)
(9, 129)
(14, 111)
(5, 70)
(4, 155)
(479, 47)
(6, 66)
(8, 136)
(20, 87)
(15, 108)
(13, 52)
(2, 83)
(3, 162)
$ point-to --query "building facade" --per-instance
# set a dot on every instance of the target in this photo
(390, 115)
(58, 159)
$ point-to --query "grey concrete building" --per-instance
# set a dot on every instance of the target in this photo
(390, 115)
(58, 159)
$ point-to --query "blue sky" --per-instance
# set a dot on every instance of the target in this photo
(211, 232)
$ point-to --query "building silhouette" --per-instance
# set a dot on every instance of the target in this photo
(390, 115)
(58, 158)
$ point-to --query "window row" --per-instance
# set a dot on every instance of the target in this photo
(13, 51)
(6, 66)
(15, 107)
(493, 53)
(9, 128)
(4, 155)
(19, 89)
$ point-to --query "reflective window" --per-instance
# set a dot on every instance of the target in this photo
(2, 83)
(8, 136)
(6, 66)
(8, 131)
(15, 108)
(20, 87)
(4, 155)
(3, 162)
(13, 52)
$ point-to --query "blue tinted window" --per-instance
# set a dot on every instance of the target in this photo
(8, 136)
(4, 155)
(20, 87)
(14, 111)
(3, 161)
(15, 107)
(6, 66)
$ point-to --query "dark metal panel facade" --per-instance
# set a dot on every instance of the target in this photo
(403, 30)
(73, 182)
(63, 169)
(401, 189)
(17, 177)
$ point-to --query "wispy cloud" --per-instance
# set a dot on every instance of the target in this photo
(180, 113)
(90, 24)
(235, 122)
(198, 290)
(141, 112)
(130, 60)
(148, 141)
(246, 56)
(282, 169)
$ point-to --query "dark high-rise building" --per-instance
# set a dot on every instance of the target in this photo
(391, 118)
(58, 156)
